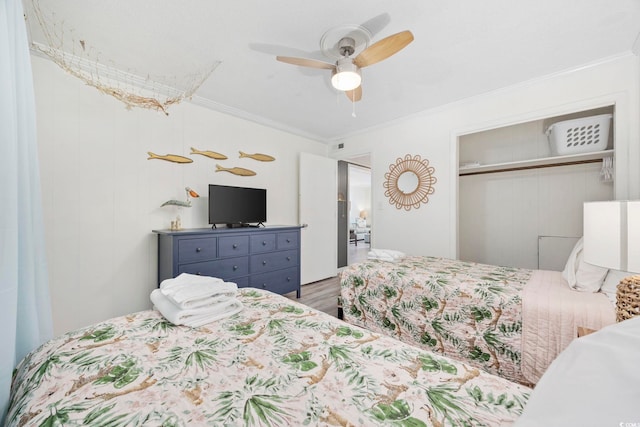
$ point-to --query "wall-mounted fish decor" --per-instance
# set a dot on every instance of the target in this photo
(169, 157)
(210, 154)
(258, 156)
(235, 171)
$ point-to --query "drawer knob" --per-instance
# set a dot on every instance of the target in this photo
(288, 279)
(288, 240)
(264, 262)
(264, 286)
(199, 273)
(235, 246)
(235, 267)
(264, 243)
(288, 258)
(198, 249)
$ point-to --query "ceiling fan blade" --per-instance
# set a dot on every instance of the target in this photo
(383, 49)
(354, 95)
(377, 23)
(313, 63)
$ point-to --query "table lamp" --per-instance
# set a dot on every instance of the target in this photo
(612, 240)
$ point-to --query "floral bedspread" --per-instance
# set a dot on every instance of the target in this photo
(467, 311)
(276, 363)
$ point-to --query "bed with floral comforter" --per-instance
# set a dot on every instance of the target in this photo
(275, 363)
(464, 310)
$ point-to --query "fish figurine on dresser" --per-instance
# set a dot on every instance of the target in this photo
(235, 171)
(210, 154)
(174, 202)
(258, 156)
(181, 203)
(169, 157)
(191, 192)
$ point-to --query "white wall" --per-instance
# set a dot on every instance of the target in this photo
(102, 197)
(432, 229)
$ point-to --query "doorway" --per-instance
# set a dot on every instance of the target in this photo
(354, 199)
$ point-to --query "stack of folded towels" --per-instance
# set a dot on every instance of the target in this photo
(194, 301)
(386, 255)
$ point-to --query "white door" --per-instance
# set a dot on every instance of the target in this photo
(318, 210)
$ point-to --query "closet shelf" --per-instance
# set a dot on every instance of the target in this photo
(573, 159)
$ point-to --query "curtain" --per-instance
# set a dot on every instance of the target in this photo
(25, 307)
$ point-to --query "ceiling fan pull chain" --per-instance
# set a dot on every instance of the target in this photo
(353, 108)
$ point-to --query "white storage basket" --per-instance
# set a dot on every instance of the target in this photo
(577, 136)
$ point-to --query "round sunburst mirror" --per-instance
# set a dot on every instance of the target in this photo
(409, 182)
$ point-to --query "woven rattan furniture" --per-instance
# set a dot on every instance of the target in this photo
(628, 298)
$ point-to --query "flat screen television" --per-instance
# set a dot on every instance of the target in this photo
(237, 206)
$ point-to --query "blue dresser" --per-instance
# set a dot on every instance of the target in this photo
(265, 258)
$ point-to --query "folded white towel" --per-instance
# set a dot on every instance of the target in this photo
(389, 253)
(192, 291)
(386, 255)
(381, 257)
(197, 316)
(188, 279)
(205, 301)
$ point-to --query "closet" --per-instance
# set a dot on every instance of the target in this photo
(513, 193)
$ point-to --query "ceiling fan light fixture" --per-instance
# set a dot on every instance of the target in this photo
(346, 75)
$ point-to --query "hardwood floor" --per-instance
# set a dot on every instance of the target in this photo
(323, 295)
(357, 253)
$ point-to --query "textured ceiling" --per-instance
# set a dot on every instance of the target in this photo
(462, 48)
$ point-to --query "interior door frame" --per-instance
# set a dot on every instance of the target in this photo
(343, 214)
(351, 160)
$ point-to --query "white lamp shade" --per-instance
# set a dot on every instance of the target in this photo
(612, 234)
(633, 236)
(603, 238)
(346, 75)
(346, 80)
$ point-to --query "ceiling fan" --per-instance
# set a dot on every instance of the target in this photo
(345, 73)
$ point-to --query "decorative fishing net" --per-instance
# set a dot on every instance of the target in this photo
(56, 38)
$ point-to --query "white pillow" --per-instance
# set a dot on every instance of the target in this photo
(570, 268)
(611, 282)
(589, 277)
(581, 275)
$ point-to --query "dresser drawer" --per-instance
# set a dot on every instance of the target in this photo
(233, 246)
(242, 282)
(287, 240)
(196, 249)
(273, 261)
(225, 269)
(280, 282)
(263, 243)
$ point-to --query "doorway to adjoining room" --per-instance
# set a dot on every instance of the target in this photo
(359, 212)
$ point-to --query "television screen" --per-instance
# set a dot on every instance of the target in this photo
(237, 205)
